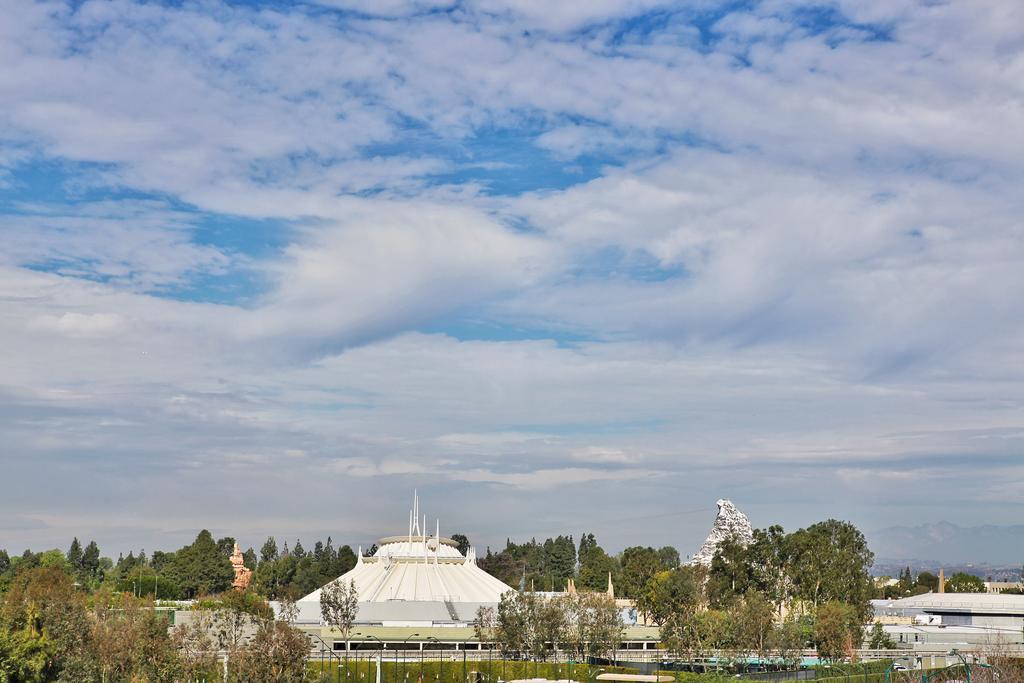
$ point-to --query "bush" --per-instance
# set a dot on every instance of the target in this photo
(851, 668)
(448, 671)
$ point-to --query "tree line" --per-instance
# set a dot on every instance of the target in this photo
(199, 568)
(908, 585)
(548, 566)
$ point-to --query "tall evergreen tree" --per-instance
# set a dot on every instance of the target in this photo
(463, 542)
(201, 568)
(74, 555)
(595, 565)
(268, 552)
(226, 545)
(91, 557)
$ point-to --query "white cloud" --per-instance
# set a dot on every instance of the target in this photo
(389, 266)
(79, 324)
(809, 261)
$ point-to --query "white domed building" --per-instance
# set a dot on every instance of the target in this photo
(415, 580)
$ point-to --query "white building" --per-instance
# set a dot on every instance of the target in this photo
(417, 580)
(964, 620)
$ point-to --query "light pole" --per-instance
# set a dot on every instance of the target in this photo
(465, 675)
(967, 667)
(436, 642)
(380, 648)
(404, 644)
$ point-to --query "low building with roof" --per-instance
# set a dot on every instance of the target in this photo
(415, 580)
(963, 620)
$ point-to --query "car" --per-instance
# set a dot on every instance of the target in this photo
(899, 667)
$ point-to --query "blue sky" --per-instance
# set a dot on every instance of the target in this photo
(267, 267)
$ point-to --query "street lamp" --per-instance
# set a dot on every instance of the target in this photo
(967, 667)
(465, 676)
(437, 642)
(404, 644)
(380, 647)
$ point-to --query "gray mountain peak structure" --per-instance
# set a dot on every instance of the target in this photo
(729, 522)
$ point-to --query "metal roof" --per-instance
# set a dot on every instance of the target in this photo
(416, 578)
(966, 603)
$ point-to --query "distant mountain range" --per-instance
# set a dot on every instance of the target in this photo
(946, 543)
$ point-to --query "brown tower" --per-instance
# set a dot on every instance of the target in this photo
(242, 575)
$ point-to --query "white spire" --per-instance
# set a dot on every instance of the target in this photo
(415, 515)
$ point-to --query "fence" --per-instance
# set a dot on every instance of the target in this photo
(448, 670)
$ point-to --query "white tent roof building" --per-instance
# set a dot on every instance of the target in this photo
(415, 580)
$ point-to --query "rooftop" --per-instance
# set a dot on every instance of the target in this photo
(974, 603)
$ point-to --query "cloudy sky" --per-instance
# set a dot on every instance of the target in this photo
(564, 267)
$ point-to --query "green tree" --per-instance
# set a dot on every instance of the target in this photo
(463, 542)
(837, 630)
(201, 568)
(485, 625)
(730, 574)
(276, 654)
(91, 565)
(307, 575)
(45, 630)
(74, 555)
(961, 582)
(769, 558)
(831, 562)
(249, 556)
(595, 565)
(560, 560)
(671, 594)
(226, 545)
(343, 562)
(639, 565)
(593, 625)
(755, 623)
(512, 632)
(789, 640)
(698, 635)
(878, 639)
(132, 641)
(268, 552)
(339, 605)
(549, 620)
(669, 557)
